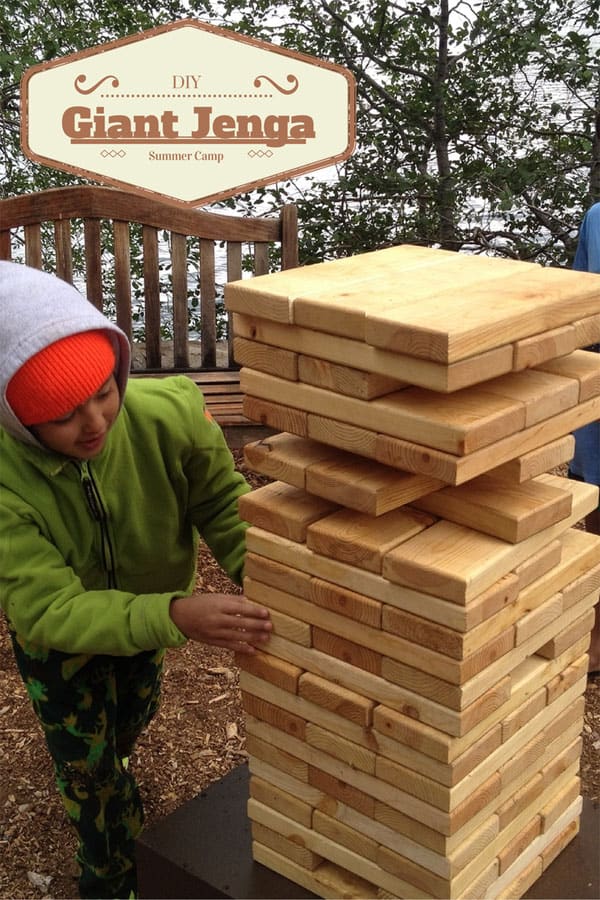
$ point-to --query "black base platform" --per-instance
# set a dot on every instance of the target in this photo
(203, 850)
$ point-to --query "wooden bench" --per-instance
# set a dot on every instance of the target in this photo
(151, 266)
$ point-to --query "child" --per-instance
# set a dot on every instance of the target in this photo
(104, 489)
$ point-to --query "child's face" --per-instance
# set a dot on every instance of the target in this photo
(81, 434)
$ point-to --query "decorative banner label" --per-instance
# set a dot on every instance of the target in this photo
(188, 111)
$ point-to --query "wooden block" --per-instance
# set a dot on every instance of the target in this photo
(351, 652)
(291, 629)
(543, 394)
(283, 509)
(457, 423)
(365, 485)
(523, 714)
(450, 325)
(338, 789)
(542, 459)
(588, 330)
(426, 373)
(582, 365)
(569, 635)
(342, 834)
(508, 855)
(457, 563)
(538, 348)
(586, 584)
(288, 869)
(344, 379)
(566, 679)
(352, 438)
(264, 358)
(509, 512)
(412, 457)
(291, 766)
(285, 457)
(277, 575)
(422, 878)
(270, 668)
(282, 418)
(561, 802)
(363, 540)
(538, 564)
(284, 802)
(348, 603)
(523, 881)
(337, 699)
(274, 715)
(529, 624)
(290, 849)
(558, 844)
(339, 747)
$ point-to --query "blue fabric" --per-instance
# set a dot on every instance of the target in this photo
(586, 461)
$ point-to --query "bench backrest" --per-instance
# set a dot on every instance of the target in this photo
(136, 257)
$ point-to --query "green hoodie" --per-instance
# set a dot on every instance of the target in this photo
(92, 553)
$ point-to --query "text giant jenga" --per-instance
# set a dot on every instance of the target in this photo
(414, 724)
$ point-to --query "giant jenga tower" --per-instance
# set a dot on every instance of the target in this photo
(414, 724)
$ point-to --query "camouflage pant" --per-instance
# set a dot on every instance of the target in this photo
(92, 709)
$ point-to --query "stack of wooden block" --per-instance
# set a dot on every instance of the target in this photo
(414, 724)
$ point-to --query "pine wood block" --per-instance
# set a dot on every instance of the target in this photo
(281, 786)
(457, 563)
(539, 563)
(347, 751)
(558, 844)
(560, 803)
(277, 575)
(344, 379)
(509, 853)
(538, 348)
(412, 457)
(351, 652)
(542, 459)
(581, 587)
(580, 553)
(290, 849)
(333, 348)
(282, 418)
(284, 802)
(343, 834)
(543, 394)
(286, 457)
(337, 790)
(274, 715)
(267, 753)
(457, 423)
(291, 629)
(570, 634)
(582, 365)
(422, 878)
(364, 485)
(542, 615)
(509, 512)
(524, 713)
(283, 509)
(348, 603)
(270, 668)
(566, 679)
(364, 540)
(348, 704)
(264, 358)
(522, 882)
(450, 326)
(327, 881)
(588, 330)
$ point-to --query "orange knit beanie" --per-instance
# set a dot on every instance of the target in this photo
(61, 377)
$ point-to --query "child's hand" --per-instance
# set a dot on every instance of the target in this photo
(223, 620)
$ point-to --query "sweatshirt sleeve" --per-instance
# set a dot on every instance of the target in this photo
(47, 605)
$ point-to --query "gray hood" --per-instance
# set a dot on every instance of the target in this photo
(37, 309)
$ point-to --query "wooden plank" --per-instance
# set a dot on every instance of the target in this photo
(543, 394)
(277, 575)
(283, 801)
(346, 602)
(537, 461)
(290, 849)
(362, 540)
(345, 835)
(283, 418)
(570, 634)
(583, 366)
(457, 423)
(286, 457)
(457, 563)
(271, 669)
(537, 349)
(348, 704)
(433, 375)
(509, 512)
(264, 358)
(448, 326)
(285, 763)
(345, 380)
(588, 330)
(283, 509)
